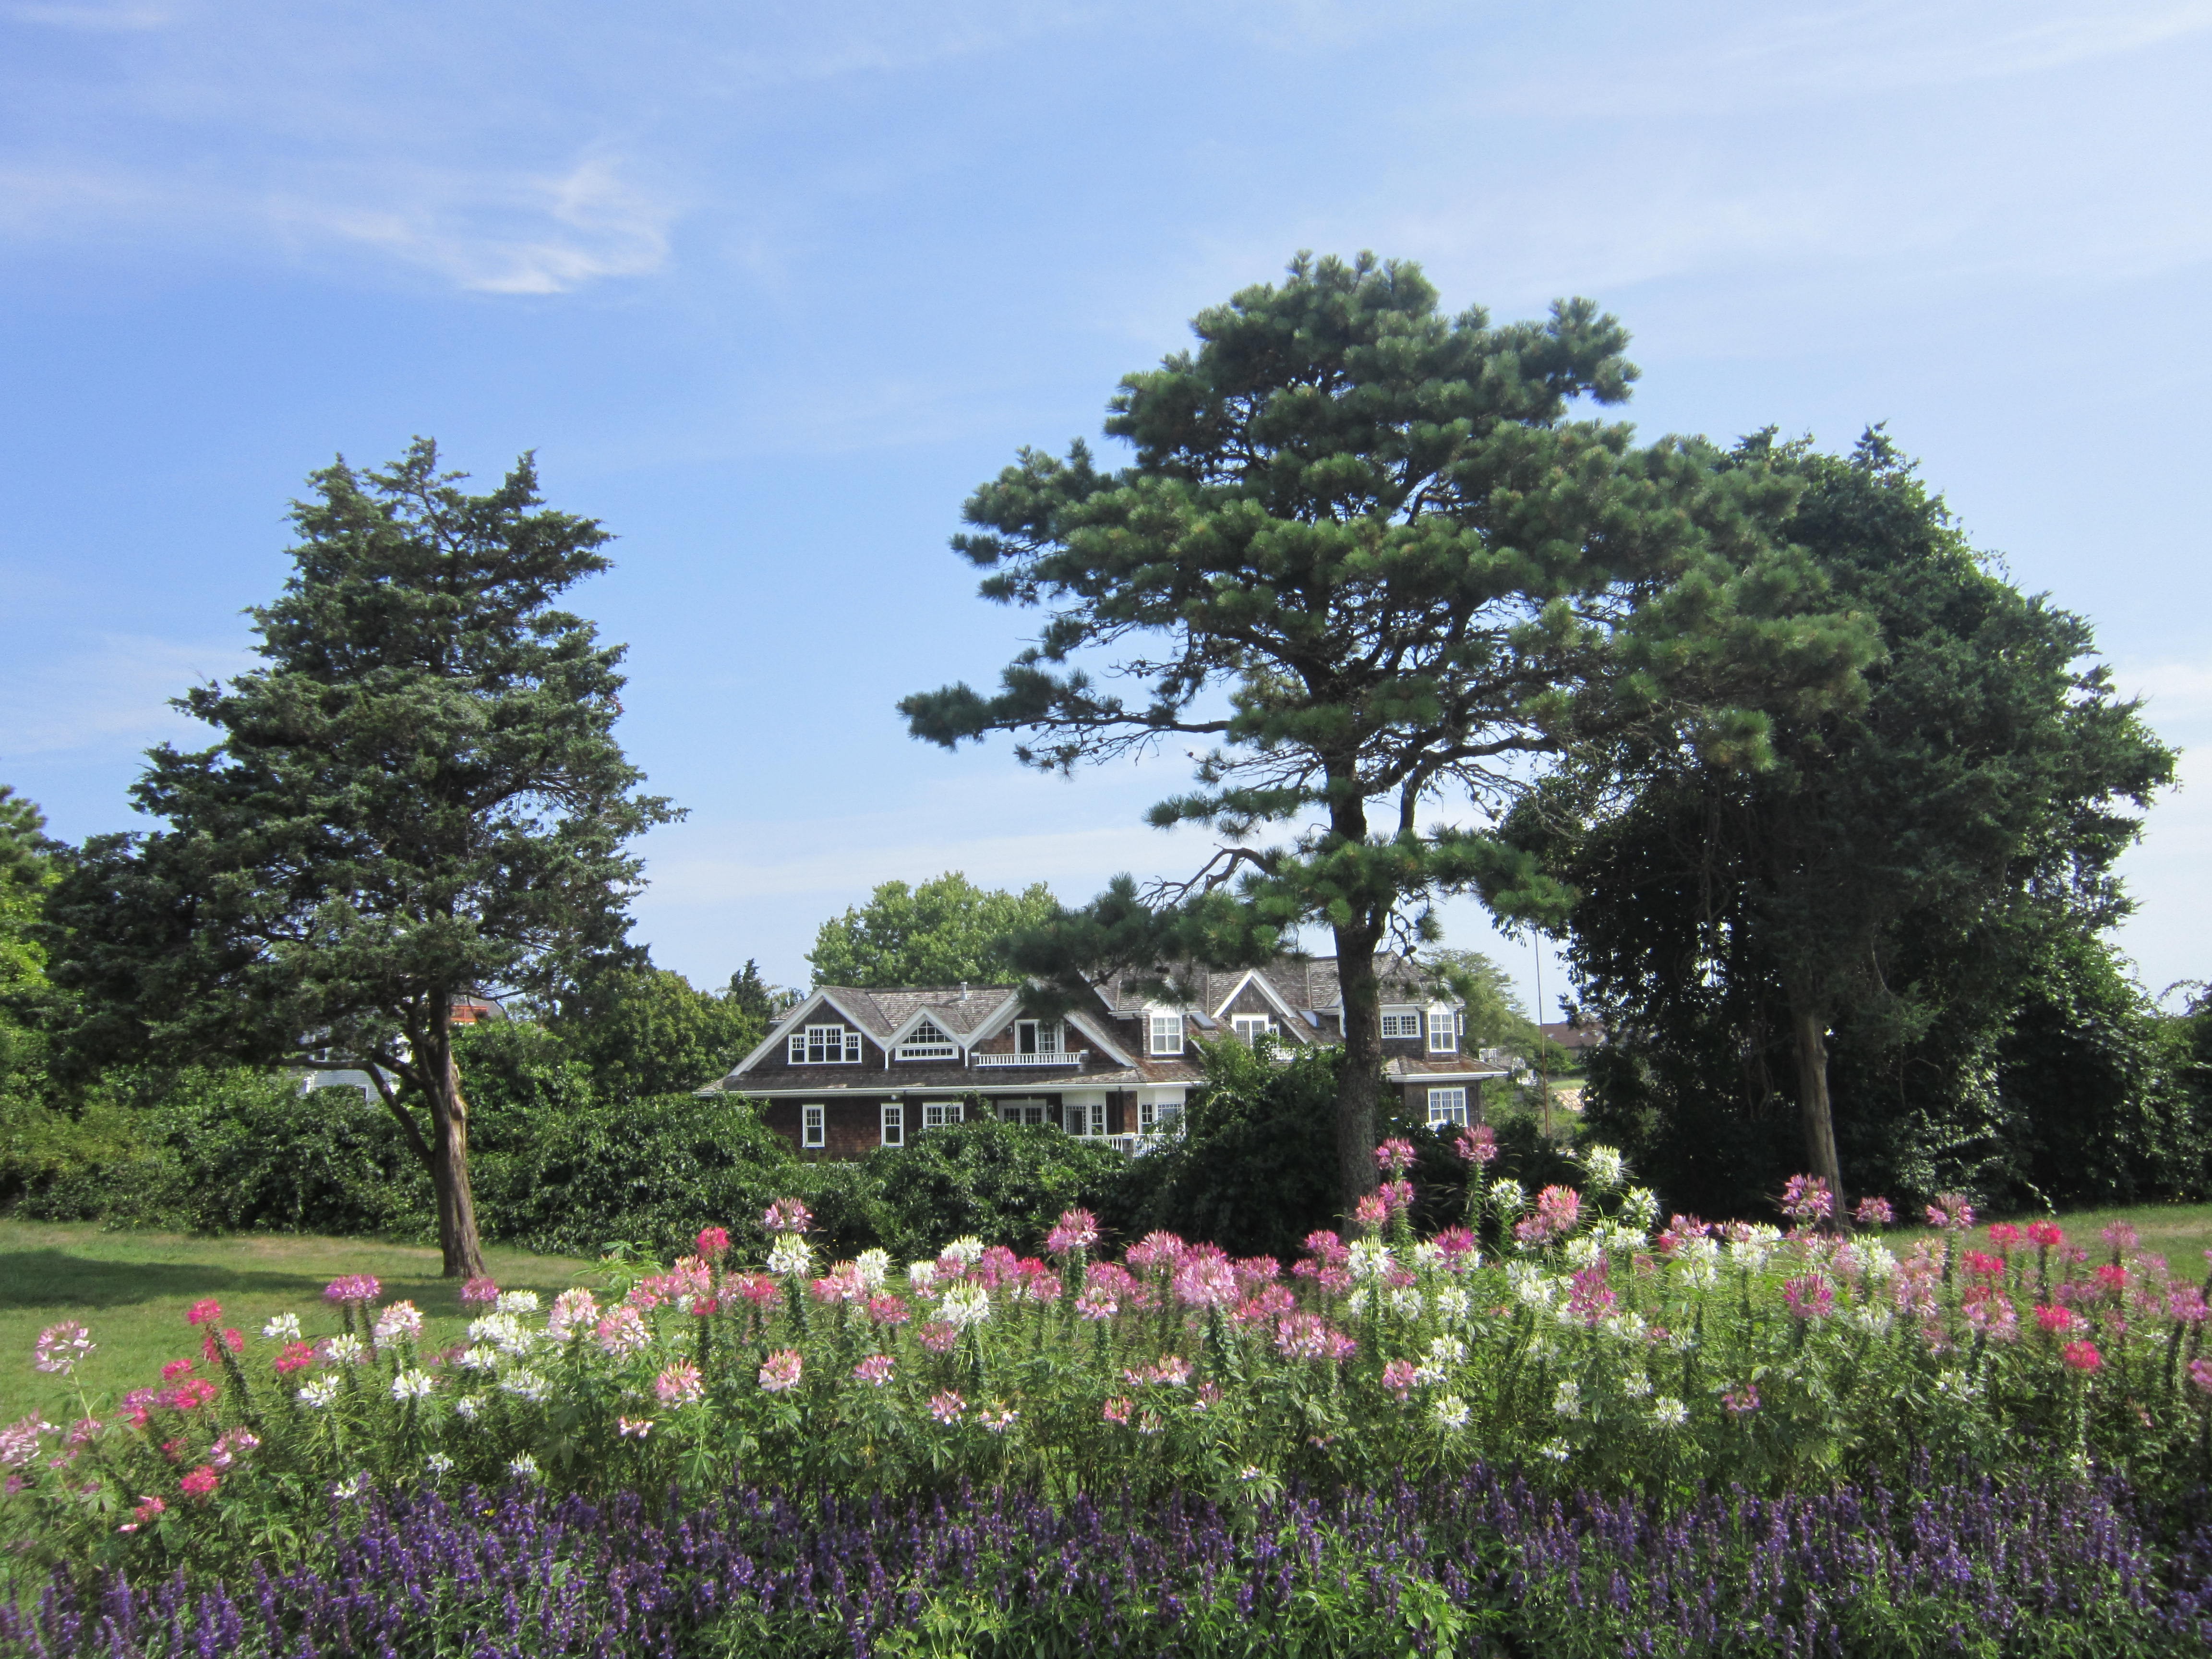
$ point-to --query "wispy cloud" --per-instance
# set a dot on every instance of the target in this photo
(114, 691)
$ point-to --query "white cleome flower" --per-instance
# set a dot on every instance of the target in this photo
(1427, 1254)
(1872, 1317)
(357, 1487)
(874, 1267)
(967, 1249)
(1557, 1450)
(791, 1256)
(506, 1331)
(1408, 1301)
(1452, 1303)
(1606, 1168)
(963, 1304)
(523, 1467)
(1582, 1250)
(1639, 1208)
(1567, 1400)
(1636, 1385)
(526, 1384)
(438, 1463)
(1447, 1351)
(516, 1302)
(1428, 1374)
(344, 1350)
(1370, 1259)
(1356, 1303)
(478, 1358)
(1507, 1198)
(467, 1407)
(1450, 1411)
(284, 1327)
(1668, 1412)
(921, 1275)
(319, 1392)
(412, 1385)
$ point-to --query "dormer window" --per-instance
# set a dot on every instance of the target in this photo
(1444, 1031)
(1036, 1036)
(1401, 1022)
(929, 1041)
(1250, 1028)
(1167, 1033)
(825, 1045)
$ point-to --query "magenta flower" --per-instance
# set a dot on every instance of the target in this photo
(679, 1384)
(1952, 1212)
(1558, 1210)
(1117, 1410)
(1398, 1377)
(937, 1336)
(1992, 1314)
(1076, 1230)
(1456, 1245)
(2200, 1375)
(1397, 1196)
(2082, 1357)
(1371, 1212)
(204, 1313)
(479, 1290)
(1394, 1156)
(1327, 1247)
(1589, 1297)
(875, 1370)
(1741, 1400)
(200, 1484)
(1156, 1250)
(1805, 1199)
(2121, 1237)
(779, 1373)
(788, 1215)
(947, 1407)
(353, 1287)
(887, 1309)
(714, 1242)
(2045, 1235)
(1478, 1145)
(1205, 1281)
(622, 1333)
(1874, 1212)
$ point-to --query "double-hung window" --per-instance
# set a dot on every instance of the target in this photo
(1036, 1036)
(813, 1126)
(825, 1045)
(894, 1124)
(1159, 1117)
(936, 1114)
(1167, 1033)
(1444, 1031)
(1250, 1028)
(1447, 1106)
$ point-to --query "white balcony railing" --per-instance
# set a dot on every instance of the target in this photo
(1058, 1057)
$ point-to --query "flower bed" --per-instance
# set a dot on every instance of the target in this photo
(1476, 1563)
(1570, 1338)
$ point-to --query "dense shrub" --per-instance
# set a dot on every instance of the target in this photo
(1005, 1182)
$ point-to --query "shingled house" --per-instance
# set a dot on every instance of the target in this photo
(849, 1069)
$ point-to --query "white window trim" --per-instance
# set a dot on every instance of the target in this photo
(894, 1123)
(914, 1046)
(1159, 1117)
(1165, 1034)
(802, 1041)
(1042, 1028)
(813, 1127)
(948, 1111)
(1447, 1106)
(1240, 1023)
(1402, 1022)
(1444, 1032)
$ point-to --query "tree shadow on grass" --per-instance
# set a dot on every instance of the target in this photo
(55, 1278)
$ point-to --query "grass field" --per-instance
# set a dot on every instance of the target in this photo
(132, 1290)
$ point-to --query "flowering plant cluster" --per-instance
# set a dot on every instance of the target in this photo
(1566, 1333)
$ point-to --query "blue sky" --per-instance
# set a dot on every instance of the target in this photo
(769, 288)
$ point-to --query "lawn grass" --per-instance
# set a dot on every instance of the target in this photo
(2179, 1232)
(132, 1290)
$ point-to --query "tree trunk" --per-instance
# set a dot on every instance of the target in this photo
(449, 1161)
(1358, 1082)
(1808, 1031)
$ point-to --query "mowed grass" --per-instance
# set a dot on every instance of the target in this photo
(132, 1290)
(2179, 1232)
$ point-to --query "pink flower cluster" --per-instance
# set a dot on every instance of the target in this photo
(353, 1287)
(1395, 1157)
(788, 1215)
(1557, 1211)
(1076, 1229)
(1806, 1199)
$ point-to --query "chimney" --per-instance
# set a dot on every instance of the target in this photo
(963, 990)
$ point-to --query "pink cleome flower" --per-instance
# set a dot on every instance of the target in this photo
(937, 1336)
(353, 1287)
(1982, 1265)
(887, 1309)
(1558, 1210)
(1874, 1212)
(295, 1356)
(1805, 1199)
(1397, 1196)
(200, 1484)
(204, 1313)
(1810, 1297)
(479, 1291)
(1076, 1230)
(622, 1333)
(875, 1370)
(714, 1242)
(1327, 1248)
(2082, 1357)
(1156, 1250)
(1478, 1145)
(1117, 1410)
(2121, 1237)
(1741, 1400)
(779, 1373)
(2200, 1375)
(1398, 1377)
(679, 1384)
(947, 1407)
(1951, 1211)
(1371, 1212)
(229, 1447)
(148, 1508)
(1307, 1336)
(1205, 1281)
(1394, 1156)
(633, 1428)
(2004, 1234)
(1456, 1245)
(2043, 1235)
(177, 1367)
(60, 1347)
(788, 1215)
(230, 1337)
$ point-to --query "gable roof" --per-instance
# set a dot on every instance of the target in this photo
(1292, 981)
(884, 1013)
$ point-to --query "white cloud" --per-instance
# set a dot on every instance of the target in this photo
(2172, 691)
(114, 691)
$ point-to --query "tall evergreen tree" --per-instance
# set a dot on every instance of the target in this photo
(419, 797)
(1365, 553)
(1901, 874)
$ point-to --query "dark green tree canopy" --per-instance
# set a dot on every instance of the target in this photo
(1902, 866)
(1369, 556)
(418, 795)
(943, 932)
